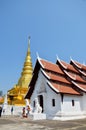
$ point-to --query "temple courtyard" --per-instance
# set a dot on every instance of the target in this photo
(19, 123)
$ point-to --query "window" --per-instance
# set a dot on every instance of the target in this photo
(33, 103)
(53, 102)
(73, 103)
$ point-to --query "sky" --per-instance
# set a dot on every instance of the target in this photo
(56, 28)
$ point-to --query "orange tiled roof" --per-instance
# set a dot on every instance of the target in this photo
(67, 75)
(50, 66)
(65, 89)
(83, 86)
(69, 69)
(81, 66)
(69, 66)
(57, 78)
(77, 77)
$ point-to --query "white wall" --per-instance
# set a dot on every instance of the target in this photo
(84, 102)
(41, 88)
(67, 107)
(17, 110)
(52, 95)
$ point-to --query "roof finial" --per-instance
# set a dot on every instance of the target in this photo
(57, 57)
(37, 54)
(70, 58)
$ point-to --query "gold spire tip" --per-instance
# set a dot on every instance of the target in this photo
(29, 40)
(29, 43)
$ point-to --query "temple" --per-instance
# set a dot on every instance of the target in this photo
(60, 89)
(17, 93)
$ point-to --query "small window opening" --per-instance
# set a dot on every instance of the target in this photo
(53, 102)
(73, 103)
(33, 103)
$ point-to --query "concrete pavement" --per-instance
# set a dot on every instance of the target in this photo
(19, 123)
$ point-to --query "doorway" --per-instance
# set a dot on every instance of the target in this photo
(40, 99)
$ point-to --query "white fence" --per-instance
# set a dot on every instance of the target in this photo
(17, 110)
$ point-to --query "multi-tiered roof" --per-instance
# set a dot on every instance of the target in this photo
(62, 77)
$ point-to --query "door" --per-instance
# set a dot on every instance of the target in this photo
(40, 99)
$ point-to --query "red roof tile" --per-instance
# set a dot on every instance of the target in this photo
(57, 77)
(82, 86)
(59, 73)
(77, 77)
(82, 66)
(50, 66)
(69, 67)
(65, 89)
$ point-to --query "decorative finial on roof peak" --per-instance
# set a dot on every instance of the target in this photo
(57, 57)
(37, 54)
(71, 58)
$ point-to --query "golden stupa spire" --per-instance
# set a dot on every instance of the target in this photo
(17, 93)
(28, 44)
(27, 69)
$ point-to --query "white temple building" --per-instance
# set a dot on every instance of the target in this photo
(60, 89)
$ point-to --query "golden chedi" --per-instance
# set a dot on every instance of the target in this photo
(17, 93)
(1, 100)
